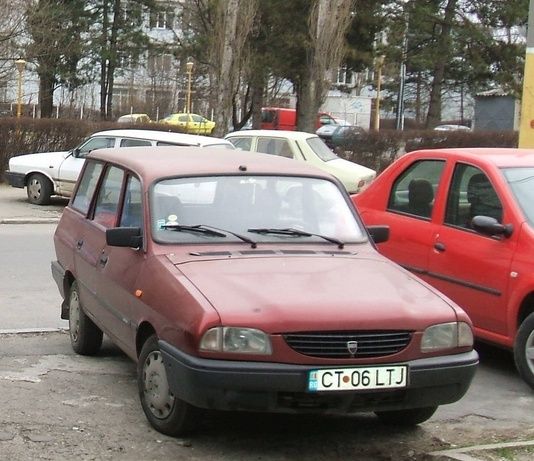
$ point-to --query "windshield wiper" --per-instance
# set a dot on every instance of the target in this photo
(297, 233)
(209, 230)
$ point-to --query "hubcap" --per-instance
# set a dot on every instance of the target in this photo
(34, 188)
(74, 316)
(158, 396)
(529, 351)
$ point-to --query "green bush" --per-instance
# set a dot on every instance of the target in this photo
(377, 150)
(28, 135)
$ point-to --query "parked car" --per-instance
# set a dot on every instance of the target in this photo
(134, 118)
(463, 220)
(55, 173)
(452, 128)
(241, 281)
(279, 118)
(305, 147)
(339, 135)
(191, 123)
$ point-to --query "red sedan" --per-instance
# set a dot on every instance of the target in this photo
(463, 220)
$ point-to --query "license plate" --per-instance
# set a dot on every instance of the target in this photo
(341, 379)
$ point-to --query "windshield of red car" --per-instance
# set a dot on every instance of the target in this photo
(240, 203)
(521, 181)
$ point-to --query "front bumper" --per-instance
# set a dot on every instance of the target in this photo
(276, 387)
(15, 179)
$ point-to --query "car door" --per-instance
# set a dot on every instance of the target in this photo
(118, 268)
(70, 169)
(471, 268)
(410, 211)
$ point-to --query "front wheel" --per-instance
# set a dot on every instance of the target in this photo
(165, 412)
(39, 189)
(85, 336)
(524, 350)
(410, 417)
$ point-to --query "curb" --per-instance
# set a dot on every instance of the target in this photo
(462, 454)
(20, 331)
(29, 221)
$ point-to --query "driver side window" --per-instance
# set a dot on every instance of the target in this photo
(93, 144)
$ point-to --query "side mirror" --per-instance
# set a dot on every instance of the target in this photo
(490, 226)
(129, 237)
(76, 152)
(379, 234)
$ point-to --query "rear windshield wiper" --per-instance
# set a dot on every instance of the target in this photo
(209, 230)
(297, 233)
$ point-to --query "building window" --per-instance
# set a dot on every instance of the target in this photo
(122, 99)
(345, 76)
(162, 18)
(159, 63)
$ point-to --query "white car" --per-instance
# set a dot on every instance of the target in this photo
(305, 147)
(55, 173)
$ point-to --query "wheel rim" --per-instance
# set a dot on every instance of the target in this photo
(529, 351)
(34, 189)
(74, 316)
(158, 397)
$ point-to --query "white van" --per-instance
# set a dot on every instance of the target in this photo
(55, 173)
(305, 147)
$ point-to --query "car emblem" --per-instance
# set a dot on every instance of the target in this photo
(352, 347)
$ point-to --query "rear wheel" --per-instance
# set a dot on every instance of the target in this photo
(524, 350)
(85, 336)
(39, 189)
(165, 412)
(409, 417)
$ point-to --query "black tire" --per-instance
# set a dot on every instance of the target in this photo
(409, 417)
(85, 336)
(39, 189)
(524, 350)
(166, 413)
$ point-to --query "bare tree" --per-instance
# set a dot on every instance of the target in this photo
(11, 29)
(328, 23)
(233, 24)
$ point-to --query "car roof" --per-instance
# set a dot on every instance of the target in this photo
(500, 157)
(157, 162)
(164, 136)
(297, 135)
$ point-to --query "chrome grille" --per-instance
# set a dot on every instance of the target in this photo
(333, 344)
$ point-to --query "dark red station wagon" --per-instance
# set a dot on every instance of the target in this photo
(463, 220)
(241, 281)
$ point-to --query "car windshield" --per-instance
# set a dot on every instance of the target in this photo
(321, 149)
(221, 209)
(521, 181)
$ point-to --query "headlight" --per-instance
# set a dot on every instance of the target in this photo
(447, 336)
(237, 340)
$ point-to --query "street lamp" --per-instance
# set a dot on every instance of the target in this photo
(21, 64)
(379, 64)
(189, 70)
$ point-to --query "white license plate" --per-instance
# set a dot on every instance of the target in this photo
(341, 379)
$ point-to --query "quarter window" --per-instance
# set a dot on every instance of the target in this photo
(241, 143)
(132, 211)
(107, 201)
(87, 186)
(413, 192)
(471, 194)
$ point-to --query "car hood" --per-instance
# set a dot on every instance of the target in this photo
(282, 294)
(44, 159)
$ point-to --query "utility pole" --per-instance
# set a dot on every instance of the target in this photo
(526, 128)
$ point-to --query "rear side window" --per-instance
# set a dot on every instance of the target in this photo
(135, 142)
(109, 194)
(414, 190)
(87, 186)
(275, 146)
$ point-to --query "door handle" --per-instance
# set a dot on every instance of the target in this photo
(79, 244)
(440, 246)
(103, 260)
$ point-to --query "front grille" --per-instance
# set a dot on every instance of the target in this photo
(333, 344)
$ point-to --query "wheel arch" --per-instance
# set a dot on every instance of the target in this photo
(68, 280)
(144, 331)
(43, 173)
(525, 309)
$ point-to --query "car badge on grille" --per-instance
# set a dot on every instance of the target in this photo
(352, 347)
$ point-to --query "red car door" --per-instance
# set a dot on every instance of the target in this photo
(471, 268)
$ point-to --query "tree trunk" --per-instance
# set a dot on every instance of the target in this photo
(47, 83)
(112, 61)
(442, 59)
(104, 61)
